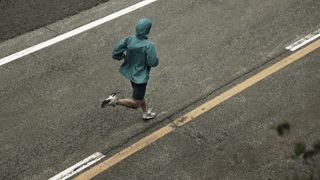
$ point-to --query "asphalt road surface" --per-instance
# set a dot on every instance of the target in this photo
(21, 16)
(50, 111)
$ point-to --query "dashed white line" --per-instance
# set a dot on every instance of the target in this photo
(301, 42)
(74, 32)
(78, 167)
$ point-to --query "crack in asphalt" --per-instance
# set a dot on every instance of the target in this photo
(51, 30)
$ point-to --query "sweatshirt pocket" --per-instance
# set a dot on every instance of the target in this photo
(139, 68)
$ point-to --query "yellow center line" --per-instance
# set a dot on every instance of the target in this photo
(118, 157)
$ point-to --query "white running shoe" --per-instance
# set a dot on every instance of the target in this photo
(110, 101)
(149, 115)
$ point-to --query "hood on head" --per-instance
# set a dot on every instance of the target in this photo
(143, 28)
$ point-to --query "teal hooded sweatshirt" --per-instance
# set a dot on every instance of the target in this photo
(139, 54)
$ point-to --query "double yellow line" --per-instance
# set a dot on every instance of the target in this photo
(104, 165)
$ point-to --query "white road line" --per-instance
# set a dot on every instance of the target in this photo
(298, 44)
(78, 167)
(74, 32)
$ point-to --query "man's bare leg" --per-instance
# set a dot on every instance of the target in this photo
(143, 105)
(133, 103)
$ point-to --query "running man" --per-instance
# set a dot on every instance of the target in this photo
(139, 55)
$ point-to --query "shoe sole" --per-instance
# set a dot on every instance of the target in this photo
(105, 103)
(147, 119)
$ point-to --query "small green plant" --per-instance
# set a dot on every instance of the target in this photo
(300, 150)
(283, 128)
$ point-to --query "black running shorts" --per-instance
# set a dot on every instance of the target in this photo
(139, 90)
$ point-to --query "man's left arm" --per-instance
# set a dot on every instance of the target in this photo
(152, 58)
